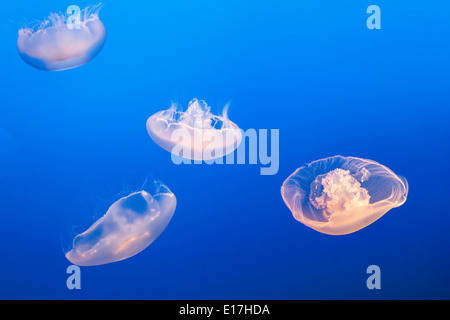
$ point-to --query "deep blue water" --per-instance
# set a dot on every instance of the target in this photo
(73, 142)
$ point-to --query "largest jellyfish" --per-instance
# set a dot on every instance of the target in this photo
(195, 134)
(129, 226)
(63, 41)
(340, 195)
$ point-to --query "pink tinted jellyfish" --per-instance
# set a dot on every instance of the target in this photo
(195, 134)
(63, 41)
(129, 226)
(341, 195)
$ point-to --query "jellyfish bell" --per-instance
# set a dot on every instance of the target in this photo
(58, 43)
(129, 226)
(341, 195)
(195, 134)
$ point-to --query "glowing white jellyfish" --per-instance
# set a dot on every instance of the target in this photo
(341, 195)
(195, 134)
(63, 41)
(129, 226)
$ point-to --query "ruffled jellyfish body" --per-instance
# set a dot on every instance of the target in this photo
(54, 44)
(341, 195)
(129, 226)
(195, 134)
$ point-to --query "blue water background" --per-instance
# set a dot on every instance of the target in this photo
(73, 142)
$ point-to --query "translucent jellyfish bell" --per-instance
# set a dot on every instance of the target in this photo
(129, 226)
(341, 195)
(54, 45)
(195, 134)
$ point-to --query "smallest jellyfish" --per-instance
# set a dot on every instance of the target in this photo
(129, 226)
(63, 41)
(196, 133)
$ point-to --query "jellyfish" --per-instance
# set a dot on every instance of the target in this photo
(63, 41)
(195, 134)
(341, 195)
(129, 226)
